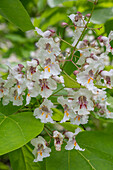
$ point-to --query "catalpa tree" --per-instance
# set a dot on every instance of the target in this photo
(46, 110)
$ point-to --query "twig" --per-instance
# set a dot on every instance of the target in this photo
(48, 132)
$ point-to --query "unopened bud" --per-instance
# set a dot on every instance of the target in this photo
(100, 38)
(86, 42)
(79, 13)
(52, 31)
(75, 72)
(88, 15)
(98, 106)
(20, 66)
(64, 24)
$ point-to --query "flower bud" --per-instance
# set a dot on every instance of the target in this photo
(79, 13)
(64, 24)
(52, 31)
(88, 15)
(75, 72)
(20, 66)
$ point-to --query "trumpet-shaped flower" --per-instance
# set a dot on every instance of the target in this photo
(44, 112)
(41, 150)
(47, 86)
(47, 49)
(50, 68)
(72, 142)
(79, 119)
(82, 102)
(58, 140)
(68, 111)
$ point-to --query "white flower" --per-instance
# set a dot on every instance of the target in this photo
(58, 79)
(47, 49)
(78, 20)
(3, 90)
(68, 51)
(108, 78)
(31, 70)
(79, 23)
(100, 98)
(6, 99)
(83, 55)
(41, 150)
(58, 140)
(10, 81)
(108, 114)
(110, 36)
(47, 86)
(82, 102)
(103, 39)
(44, 112)
(45, 34)
(21, 86)
(79, 119)
(33, 90)
(72, 142)
(68, 112)
(50, 68)
(17, 73)
(95, 63)
(16, 98)
(86, 79)
(108, 46)
(101, 103)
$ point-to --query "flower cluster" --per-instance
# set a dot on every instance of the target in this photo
(41, 150)
(41, 75)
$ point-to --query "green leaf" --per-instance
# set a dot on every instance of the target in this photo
(53, 20)
(10, 108)
(108, 26)
(53, 3)
(68, 126)
(69, 67)
(14, 11)
(41, 4)
(16, 38)
(22, 158)
(17, 130)
(70, 82)
(101, 15)
(98, 154)
(108, 68)
(57, 114)
(110, 101)
(3, 166)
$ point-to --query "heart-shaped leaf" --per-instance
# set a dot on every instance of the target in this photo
(17, 130)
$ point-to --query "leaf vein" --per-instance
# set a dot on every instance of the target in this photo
(87, 160)
(19, 128)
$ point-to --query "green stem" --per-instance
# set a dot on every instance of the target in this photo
(48, 132)
(85, 27)
(48, 129)
(57, 91)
